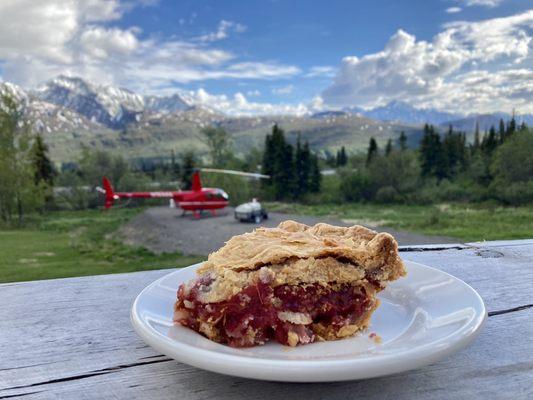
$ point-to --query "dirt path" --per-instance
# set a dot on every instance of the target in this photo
(162, 229)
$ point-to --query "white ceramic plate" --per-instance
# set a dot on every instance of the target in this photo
(423, 317)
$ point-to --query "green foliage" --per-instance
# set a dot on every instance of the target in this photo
(187, 169)
(293, 173)
(388, 147)
(514, 159)
(403, 141)
(356, 186)
(20, 192)
(398, 171)
(302, 168)
(315, 175)
(342, 158)
(219, 145)
(372, 151)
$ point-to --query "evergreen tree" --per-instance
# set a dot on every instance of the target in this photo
(315, 175)
(343, 158)
(490, 141)
(283, 171)
(388, 147)
(44, 169)
(372, 151)
(189, 161)
(403, 141)
(432, 158)
(512, 126)
(501, 131)
(302, 168)
(267, 164)
(477, 141)
(175, 171)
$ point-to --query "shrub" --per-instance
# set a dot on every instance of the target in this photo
(356, 186)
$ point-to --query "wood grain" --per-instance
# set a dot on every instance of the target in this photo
(72, 339)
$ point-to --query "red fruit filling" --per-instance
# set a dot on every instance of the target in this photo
(261, 312)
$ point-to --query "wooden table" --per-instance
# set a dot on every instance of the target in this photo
(72, 339)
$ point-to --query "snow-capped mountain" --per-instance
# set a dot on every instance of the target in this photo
(169, 104)
(108, 105)
(403, 112)
(43, 116)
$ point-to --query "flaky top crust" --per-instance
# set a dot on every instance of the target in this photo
(292, 240)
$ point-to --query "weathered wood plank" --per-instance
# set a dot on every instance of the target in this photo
(72, 338)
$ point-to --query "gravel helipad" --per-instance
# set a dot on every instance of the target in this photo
(162, 229)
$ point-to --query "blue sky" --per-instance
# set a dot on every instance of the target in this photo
(280, 55)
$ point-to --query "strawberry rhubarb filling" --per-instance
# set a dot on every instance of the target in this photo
(289, 314)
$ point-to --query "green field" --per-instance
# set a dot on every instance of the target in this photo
(63, 244)
(466, 222)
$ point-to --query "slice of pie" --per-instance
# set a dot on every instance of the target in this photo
(295, 284)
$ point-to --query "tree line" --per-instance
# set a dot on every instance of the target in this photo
(446, 167)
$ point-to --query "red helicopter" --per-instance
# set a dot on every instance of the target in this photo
(196, 200)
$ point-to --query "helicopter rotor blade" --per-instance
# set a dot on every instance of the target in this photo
(233, 172)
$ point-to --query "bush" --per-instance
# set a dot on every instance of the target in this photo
(515, 193)
(356, 186)
(513, 160)
(387, 194)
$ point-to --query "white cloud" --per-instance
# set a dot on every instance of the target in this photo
(239, 105)
(253, 93)
(485, 3)
(288, 89)
(75, 38)
(224, 27)
(318, 71)
(101, 42)
(453, 10)
(421, 72)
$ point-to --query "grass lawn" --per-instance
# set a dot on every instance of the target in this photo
(466, 222)
(63, 244)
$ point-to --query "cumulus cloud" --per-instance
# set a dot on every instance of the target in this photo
(422, 72)
(77, 38)
(239, 105)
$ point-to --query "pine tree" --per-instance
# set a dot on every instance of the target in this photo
(512, 126)
(501, 131)
(403, 141)
(174, 166)
(432, 158)
(477, 140)
(302, 168)
(490, 141)
(282, 168)
(44, 169)
(267, 165)
(344, 157)
(388, 147)
(189, 161)
(372, 151)
(315, 175)
(341, 159)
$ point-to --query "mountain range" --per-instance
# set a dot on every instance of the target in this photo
(70, 112)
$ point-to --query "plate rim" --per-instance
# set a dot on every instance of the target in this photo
(277, 370)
